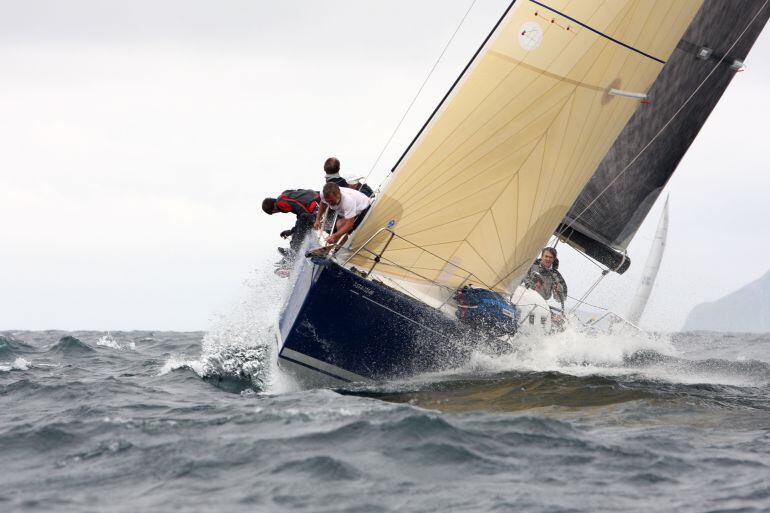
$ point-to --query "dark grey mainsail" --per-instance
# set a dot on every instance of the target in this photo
(601, 223)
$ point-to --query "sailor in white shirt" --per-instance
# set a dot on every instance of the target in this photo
(351, 207)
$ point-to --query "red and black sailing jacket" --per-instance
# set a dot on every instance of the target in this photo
(298, 201)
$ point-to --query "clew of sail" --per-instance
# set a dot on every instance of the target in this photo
(612, 206)
(507, 152)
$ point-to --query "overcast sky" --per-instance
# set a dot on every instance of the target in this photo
(138, 139)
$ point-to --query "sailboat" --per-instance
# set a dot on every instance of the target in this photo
(651, 267)
(499, 167)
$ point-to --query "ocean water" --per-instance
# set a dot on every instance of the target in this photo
(205, 421)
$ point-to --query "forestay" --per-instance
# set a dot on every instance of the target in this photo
(495, 169)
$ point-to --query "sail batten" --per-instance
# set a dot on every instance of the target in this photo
(621, 43)
(495, 170)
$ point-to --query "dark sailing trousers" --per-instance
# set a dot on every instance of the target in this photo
(301, 228)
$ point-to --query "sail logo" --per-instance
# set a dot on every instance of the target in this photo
(530, 36)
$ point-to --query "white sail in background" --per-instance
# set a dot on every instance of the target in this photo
(496, 168)
(651, 268)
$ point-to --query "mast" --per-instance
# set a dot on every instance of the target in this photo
(651, 268)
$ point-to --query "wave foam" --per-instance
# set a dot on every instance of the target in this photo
(110, 341)
(639, 355)
(18, 364)
(240, 344)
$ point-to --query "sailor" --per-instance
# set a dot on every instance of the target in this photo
(359, 185)
(332, 170)
(545, 278)
(303, 203)
(350, 205)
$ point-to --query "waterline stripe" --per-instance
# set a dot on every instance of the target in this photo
(320, 366)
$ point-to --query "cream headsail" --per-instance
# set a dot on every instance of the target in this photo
(496, 168)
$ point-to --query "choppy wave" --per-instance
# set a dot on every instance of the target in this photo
(10, 346)
(576, 424)
(578, 370)
(70, 346)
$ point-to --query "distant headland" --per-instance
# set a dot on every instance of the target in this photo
(746, 310)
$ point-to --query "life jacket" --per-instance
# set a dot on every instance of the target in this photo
(298, 201)
(549, 278)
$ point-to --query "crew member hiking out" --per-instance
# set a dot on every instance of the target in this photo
(351, 207)
(303, 203)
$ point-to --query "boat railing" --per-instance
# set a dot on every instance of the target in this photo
(376, 257)
(614, 319)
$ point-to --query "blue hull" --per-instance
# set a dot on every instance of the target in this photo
(339, 327)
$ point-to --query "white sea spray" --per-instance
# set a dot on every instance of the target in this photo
(19, 364)
(240, 344)
(108, 340)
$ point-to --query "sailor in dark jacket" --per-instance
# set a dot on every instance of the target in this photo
(332, 170)
(303, 203)
(546, 268)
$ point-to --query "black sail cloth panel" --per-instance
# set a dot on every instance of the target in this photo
(602, 224)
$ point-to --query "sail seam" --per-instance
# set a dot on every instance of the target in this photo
(495, 201)
(602, 34)
(497, 232)
(429, 175)
(490, 168)
(543, 72)
(544, 140)
(500, 161)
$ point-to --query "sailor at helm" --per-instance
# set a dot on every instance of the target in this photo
(544, 276)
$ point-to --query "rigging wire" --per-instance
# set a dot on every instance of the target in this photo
(419, 91)
(589, 291)
(589, 304)
(671, 119)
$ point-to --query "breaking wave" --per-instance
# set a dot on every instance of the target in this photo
(238, 351)
(18, 364)
(109, 340)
